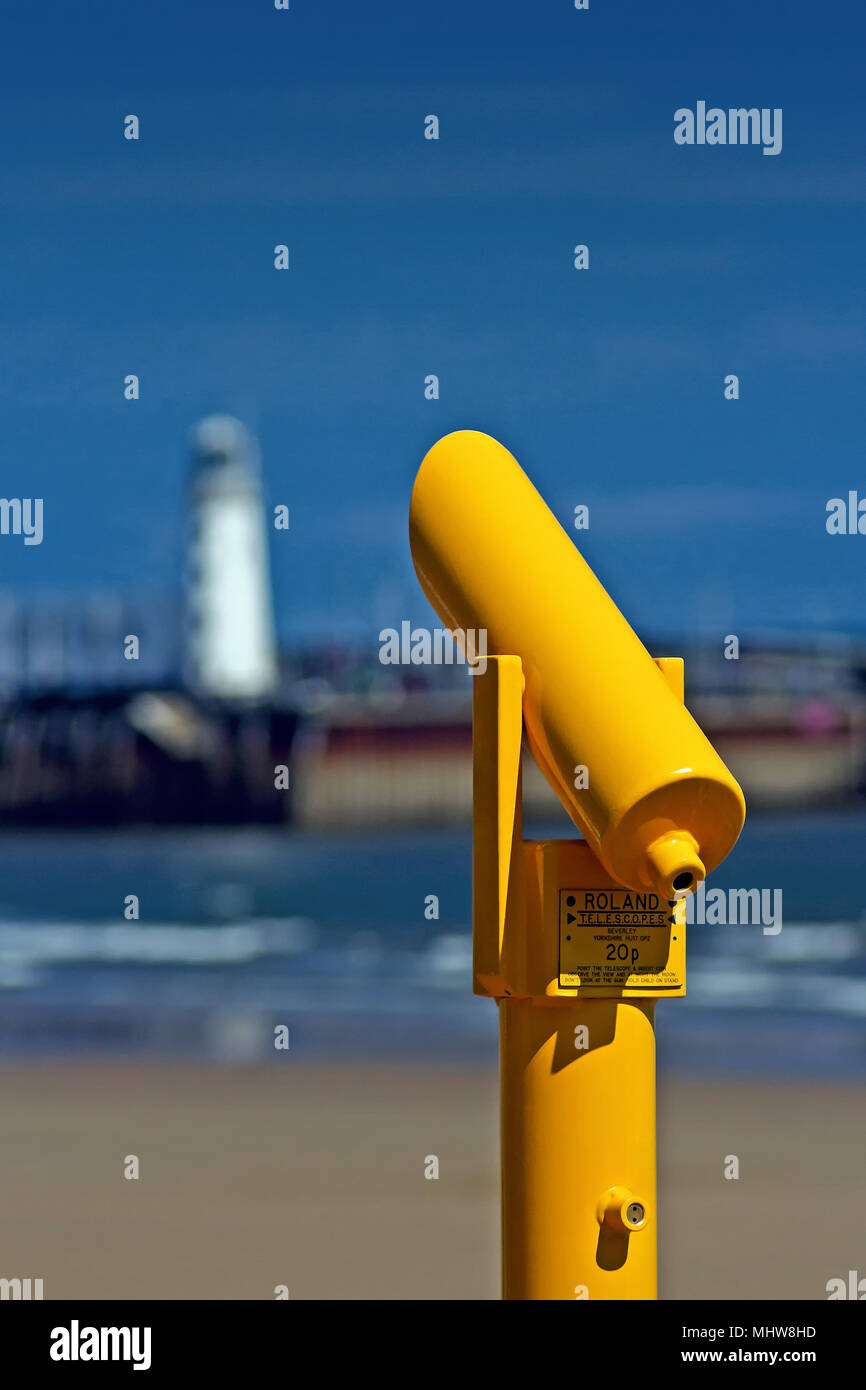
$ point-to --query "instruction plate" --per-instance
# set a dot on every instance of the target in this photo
(614, 938)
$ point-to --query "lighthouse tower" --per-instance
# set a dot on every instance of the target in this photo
(231, 648)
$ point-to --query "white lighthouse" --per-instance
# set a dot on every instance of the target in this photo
(231, 647)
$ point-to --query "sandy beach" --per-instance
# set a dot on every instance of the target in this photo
(312, 1176)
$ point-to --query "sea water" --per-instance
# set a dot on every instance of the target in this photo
(214, 944)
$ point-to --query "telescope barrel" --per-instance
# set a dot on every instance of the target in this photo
(655, 802)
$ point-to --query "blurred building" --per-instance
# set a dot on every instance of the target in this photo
(119, 709)
(231, 646)
(788, 717)
(196, 727)
(75, 642)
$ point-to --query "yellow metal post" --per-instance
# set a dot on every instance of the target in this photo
(576, 1125)
(577, 1060)
(575, 939)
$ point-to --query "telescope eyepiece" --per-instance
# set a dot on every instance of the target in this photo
(674, 866)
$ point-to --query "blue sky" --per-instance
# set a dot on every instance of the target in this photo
(454, 257)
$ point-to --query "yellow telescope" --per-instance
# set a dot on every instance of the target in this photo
(656, 802)
(576, 939)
